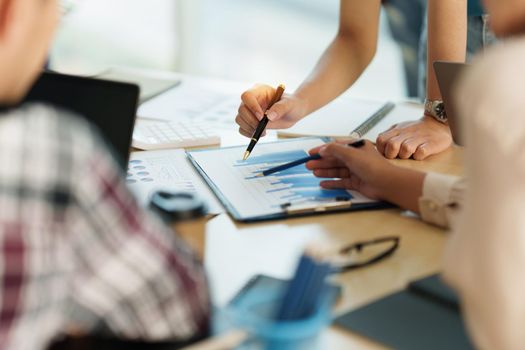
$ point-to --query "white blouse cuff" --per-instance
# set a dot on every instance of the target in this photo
(437, 198)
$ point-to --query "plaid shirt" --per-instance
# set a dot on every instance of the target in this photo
(76, 250)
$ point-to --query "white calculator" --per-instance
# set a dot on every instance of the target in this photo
(162, 135)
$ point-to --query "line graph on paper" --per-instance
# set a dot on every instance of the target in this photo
(253, 196)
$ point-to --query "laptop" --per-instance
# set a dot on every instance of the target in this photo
(448, 74)
(110, 106)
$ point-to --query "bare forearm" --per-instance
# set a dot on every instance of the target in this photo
(347, 56)
(447, 37)
(339, 67)
(403, 187)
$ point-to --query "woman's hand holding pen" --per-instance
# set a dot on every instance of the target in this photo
(284, 114)
(365, 170)
(361, 169)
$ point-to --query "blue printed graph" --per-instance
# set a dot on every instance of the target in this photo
(295, 184)
(272, 159)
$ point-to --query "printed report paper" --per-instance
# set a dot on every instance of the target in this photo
(248, 196)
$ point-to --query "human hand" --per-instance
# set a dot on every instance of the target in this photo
(418, 139)
(360, 169)
(282, 115)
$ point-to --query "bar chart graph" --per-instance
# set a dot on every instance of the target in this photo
(248, 196)
(295, 185)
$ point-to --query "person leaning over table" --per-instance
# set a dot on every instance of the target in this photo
(348, 56)
(485, 254)
(76, 251)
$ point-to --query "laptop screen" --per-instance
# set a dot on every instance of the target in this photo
(108, 105)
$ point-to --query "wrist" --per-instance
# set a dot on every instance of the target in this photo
(430, 119)
(386, 184)
(404, 187)
(436, 110)
(303, 105)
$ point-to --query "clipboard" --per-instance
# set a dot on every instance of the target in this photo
(213, 170)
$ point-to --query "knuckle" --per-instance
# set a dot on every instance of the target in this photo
(390, 152)
(406, 147)
(246, 95)
(383, 138)
(394, 144)
(241, 108)
(405, 154)
(421, 153)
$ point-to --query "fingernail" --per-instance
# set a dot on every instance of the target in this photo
(259, 115)
(271, 115)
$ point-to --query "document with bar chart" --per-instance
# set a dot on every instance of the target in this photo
(249, 197)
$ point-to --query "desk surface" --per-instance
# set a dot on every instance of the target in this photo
(235, 252)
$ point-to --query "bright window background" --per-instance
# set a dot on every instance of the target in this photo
(267, 41)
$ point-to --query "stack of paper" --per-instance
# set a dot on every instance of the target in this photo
(341, 117)
(167, 170)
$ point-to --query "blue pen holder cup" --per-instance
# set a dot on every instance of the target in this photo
(256, 316)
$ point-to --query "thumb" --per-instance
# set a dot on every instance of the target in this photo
(279, 110)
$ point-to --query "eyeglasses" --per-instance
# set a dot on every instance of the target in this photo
(365, 253)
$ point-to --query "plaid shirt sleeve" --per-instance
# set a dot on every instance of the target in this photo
(76, 249)
(133, 272)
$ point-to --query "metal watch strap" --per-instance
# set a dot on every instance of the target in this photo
(436, 109)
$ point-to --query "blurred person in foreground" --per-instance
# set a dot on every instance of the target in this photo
(77, 253)
(486, 250)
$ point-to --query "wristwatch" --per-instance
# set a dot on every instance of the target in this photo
(436, 109)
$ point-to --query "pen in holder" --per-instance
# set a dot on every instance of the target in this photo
(294, 318)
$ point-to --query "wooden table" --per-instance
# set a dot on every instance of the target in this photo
(234, 252)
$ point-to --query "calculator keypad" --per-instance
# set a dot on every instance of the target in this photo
(174, 135)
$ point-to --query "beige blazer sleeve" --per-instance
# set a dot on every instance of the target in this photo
(441, 198)
(485, 256)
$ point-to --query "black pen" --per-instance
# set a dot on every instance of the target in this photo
(357, 144)
(264, 121)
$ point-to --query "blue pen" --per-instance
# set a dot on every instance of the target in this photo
(296, 287)
(357, 144)
(312, 294)
(305, 290)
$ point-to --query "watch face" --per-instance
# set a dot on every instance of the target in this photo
(440, 109)
(436, 109)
